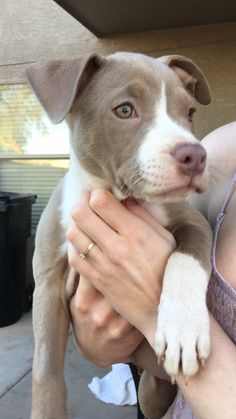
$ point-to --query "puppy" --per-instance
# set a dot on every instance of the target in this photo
(130, 119)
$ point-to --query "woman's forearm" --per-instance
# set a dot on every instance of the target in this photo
(212, 392)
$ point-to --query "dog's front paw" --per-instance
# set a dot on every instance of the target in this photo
(183, 335)
(182, 338)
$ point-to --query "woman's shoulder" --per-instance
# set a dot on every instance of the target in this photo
(221, 150)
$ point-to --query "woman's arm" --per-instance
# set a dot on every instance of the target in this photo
(121, 278)
(212, 392)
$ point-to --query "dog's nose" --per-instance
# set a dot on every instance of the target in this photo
(191, 157)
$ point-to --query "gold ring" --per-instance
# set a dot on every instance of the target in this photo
(83, 254)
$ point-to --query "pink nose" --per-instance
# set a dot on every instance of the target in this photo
(191, 158)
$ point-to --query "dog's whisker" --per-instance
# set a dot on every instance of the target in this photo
(135, 184)
(130, 186)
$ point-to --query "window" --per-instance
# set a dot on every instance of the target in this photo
(34, 154)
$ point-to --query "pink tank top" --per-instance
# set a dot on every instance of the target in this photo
(221, 301)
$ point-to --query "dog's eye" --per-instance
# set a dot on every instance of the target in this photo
(191, 112)
(124, 111)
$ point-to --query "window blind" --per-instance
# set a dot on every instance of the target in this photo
(34, 154)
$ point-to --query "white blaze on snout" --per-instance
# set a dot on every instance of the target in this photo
(164, 135)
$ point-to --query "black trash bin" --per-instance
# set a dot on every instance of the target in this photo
(15, 228)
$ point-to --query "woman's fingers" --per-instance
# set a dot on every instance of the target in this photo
(86, 289)
(114, 213)
(98, 327)
(93, 265)
(105, 219)
(102, 315)
(84, 245)
(91, 224)
(82, 266)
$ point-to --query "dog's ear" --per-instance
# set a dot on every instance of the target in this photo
(190, 75)
(57, 83)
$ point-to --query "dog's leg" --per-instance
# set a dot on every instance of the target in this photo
(50, 314)
(183, 336)
(50, 322)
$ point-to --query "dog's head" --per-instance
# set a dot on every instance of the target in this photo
(130, 117)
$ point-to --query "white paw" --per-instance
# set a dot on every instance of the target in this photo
(183, 335)
(182, 338)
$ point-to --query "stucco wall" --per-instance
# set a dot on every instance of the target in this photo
(36, 29)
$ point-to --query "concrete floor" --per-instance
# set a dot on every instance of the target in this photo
(16, 353)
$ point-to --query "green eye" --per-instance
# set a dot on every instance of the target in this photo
(124, 111)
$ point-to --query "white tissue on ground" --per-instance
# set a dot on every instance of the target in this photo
(117, 387)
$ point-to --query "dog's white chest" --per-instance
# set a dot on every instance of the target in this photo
(76, 181)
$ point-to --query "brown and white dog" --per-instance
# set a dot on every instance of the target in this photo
(130, 118)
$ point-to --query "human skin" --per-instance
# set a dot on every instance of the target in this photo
(95, 314)
(114, 271)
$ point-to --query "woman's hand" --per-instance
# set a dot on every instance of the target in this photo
(102, 335)
(128, 261)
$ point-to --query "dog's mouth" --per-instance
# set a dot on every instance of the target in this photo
(179, 193)
(141, 189)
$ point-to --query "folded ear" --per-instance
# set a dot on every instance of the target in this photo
(190, 75)
(57, 83)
